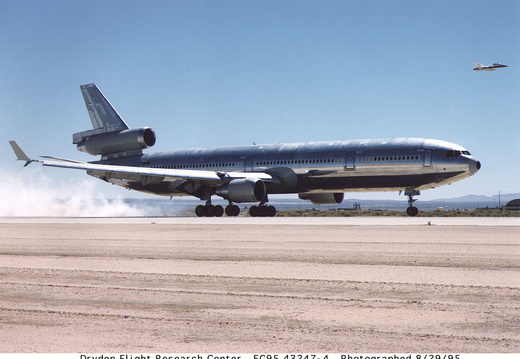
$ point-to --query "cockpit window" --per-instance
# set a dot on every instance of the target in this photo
(455, 153)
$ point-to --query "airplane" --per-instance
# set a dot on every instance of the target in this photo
(481, 67)
(319, 172)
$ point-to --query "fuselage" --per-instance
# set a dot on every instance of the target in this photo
(481, 67)
(335, 166)
(319, 172)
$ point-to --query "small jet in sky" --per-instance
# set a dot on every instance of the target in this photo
(319, 172)
(496, 65)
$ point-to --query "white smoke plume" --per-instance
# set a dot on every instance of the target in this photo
(31, 192)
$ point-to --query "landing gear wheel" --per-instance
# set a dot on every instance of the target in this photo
(253, 211)
(262, 211)
(218, 211)
(236, 210)
(271, 211)
(199, 211)
(412, 211)
(209, 210)
(232, 210)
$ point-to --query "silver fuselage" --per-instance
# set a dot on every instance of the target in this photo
(336, 166)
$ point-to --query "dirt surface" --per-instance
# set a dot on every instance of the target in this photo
(144, 287)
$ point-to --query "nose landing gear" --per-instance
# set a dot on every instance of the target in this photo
(411, 210)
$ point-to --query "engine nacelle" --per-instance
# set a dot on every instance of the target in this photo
(323, 198)
(243, 190)
(132, 139)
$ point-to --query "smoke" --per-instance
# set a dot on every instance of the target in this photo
(31, 192)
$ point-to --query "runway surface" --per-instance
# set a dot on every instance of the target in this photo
(259, 285)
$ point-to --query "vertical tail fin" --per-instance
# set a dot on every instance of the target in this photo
(102, 114)
(111, 136)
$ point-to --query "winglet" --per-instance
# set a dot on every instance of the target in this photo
(20, 154)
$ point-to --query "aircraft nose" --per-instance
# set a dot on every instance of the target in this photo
(474, 166)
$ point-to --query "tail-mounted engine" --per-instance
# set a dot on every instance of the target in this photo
(104, 144)
(323, 198)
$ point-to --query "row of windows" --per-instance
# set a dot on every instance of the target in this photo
(389, 158)
(293, 162)
(200, 165)
(258, 163)
(299, 162)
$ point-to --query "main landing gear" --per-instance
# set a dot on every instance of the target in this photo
(209, 210)
(232, 210)
(262, 211)
(411, 210)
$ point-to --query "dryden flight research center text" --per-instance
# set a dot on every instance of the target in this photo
(274, 356)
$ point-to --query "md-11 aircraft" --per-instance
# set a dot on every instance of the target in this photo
(493, 67)
(319, 172)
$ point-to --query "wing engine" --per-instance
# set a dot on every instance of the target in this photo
(323, 198)
(243, 190)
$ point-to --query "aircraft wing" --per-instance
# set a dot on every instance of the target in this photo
(131, 172)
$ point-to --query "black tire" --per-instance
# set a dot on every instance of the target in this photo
(199, 211)
(412, 211)
(235, 211)
(218, 211)
(229, 210)
(253, 211)
(232, 210)
(209, 211)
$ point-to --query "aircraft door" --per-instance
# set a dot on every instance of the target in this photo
(427, 158)
(351, 159)
(248, 164)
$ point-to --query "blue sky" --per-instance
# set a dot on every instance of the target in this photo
(209, 73)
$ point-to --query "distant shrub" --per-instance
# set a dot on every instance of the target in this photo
(492, 212)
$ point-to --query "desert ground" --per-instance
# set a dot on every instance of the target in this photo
(266, 285)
